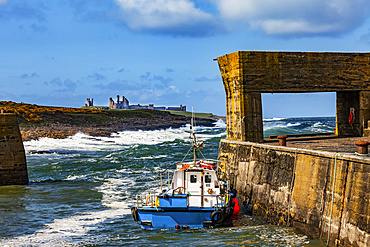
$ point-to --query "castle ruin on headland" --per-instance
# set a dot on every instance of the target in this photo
(125, 105)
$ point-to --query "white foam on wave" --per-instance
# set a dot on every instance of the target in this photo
(273, 126)
(220, 124)
(320, 127)
(150, 157)
(113, 190)
(75, 177)
(77, 142)
(150, 137)
(74, 229)
(279, 125)
(67, 231)
(273, 119)
(82, 142)
(317, 125)
(293, 124)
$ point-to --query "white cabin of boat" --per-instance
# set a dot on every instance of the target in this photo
(199, 181)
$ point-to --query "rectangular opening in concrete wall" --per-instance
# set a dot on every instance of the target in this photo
(298, 113)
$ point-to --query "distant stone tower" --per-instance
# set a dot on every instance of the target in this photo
(125, 103)
(89, 102)
(13, 165)
(112, 105)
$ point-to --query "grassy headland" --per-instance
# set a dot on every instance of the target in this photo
(59, 122)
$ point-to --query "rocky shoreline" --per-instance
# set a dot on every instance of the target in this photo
(61, 122)
(60, 131)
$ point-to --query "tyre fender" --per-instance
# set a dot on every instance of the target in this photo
(217, 217)
(229, 212)
(135, 214)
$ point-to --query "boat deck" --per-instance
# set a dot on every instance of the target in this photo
(331, 144)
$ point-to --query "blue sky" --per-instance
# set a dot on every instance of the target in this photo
(60, 52)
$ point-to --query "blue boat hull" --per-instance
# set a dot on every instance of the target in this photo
(153, 219)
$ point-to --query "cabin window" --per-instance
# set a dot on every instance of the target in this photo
(193, 178)
(207, 178)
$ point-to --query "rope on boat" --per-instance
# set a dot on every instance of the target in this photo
(186, 155)
(201, 154)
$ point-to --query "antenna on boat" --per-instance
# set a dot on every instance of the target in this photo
(195, 145)
(193, 135)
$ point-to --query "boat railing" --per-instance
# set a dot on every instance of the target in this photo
(151, 199)
(198, 163)
(147, 200)
(224, 174)
(168, 178)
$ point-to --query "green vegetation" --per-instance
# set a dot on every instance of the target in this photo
(196, 115)
(34, 115)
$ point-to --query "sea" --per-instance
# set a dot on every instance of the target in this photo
(82, 188)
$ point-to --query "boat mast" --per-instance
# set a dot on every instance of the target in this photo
(194, 138)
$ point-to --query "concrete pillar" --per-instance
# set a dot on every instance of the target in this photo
(243, 114)
(252, 123)
(364, 112)
(13, 165)
(243, 107)
(347, 102)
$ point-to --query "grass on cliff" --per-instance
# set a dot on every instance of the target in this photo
(34, 115)
(196, 115)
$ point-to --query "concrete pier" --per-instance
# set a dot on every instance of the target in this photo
(13, 165)
(322, 193)
(311, 185)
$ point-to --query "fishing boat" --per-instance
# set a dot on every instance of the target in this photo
(195, 198)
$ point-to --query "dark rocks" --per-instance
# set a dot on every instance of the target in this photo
(60, 131)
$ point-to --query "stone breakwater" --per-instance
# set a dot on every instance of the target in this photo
(325, 194)
(13, 165)
(60, 131)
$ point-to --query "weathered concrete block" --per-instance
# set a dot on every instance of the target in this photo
(247, 74)
(13, 165)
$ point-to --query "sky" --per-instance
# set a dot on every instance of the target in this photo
(60, 52)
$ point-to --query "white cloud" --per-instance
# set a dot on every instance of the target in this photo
(273, 17)
(174, 89)
(159, 14)
(3, 2)
(291, 17)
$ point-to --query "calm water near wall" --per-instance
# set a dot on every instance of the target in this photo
(82, 188)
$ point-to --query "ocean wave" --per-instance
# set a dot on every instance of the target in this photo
(151, 157)
(72, 230)
(293, 124)
(220, 124)
(124, 139)
(273, 119)
(76, 177)
(277, 126)
(66, 231)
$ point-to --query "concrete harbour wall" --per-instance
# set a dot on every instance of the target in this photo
(292, 186)
(247, 74)
(13, 165)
